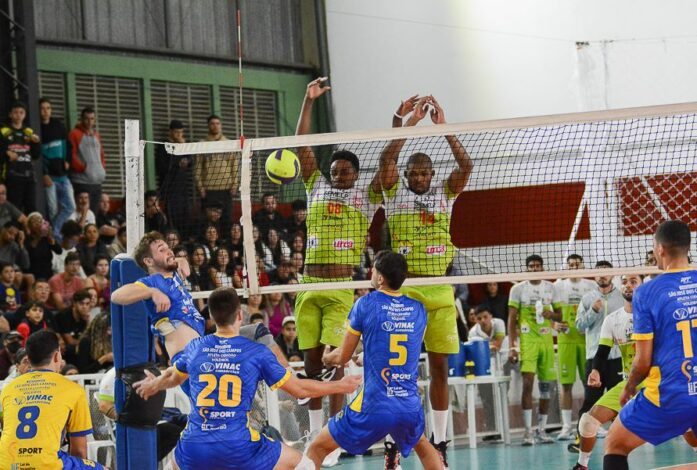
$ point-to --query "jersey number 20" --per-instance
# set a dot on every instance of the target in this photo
(229, 390)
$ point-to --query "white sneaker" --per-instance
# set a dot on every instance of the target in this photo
(542, 436)
(528, 438)
(332, 459)
(566, 434)
(601, 433)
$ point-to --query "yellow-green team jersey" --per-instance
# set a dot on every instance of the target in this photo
(567, 297)
(337, 221)
(36, 408)
(420, 226)
(618, 328)
(531, 300)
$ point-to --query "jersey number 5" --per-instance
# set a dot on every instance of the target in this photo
(396, 347)
(229, 390)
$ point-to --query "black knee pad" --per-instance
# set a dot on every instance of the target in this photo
(137, 412)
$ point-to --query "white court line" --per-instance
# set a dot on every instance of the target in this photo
(681, 466)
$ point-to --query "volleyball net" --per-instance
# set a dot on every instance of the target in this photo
(468, 200)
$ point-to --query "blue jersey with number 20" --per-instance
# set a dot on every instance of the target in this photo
(393, 328)
(223, 376)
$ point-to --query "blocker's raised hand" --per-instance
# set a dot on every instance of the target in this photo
(317, 88)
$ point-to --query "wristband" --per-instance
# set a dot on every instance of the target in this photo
(515, 349)
(398, 116)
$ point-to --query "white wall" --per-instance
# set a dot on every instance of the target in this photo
(491, 59)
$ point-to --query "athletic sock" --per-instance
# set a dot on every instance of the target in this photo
(388, 438)
(615, 462)
(440, 425)
(566, 418)
(542, 422)
(584, 458)
(316, 420)
(527, 419)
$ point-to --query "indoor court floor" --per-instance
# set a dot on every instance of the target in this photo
(675, 454)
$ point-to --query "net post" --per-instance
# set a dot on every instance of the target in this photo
(273, 412)
(134, 155)
(246, 219)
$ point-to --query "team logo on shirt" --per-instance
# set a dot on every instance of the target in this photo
(682, 313)
(689, 370)
(207, 367)
(312, 242)
(385, 374)
(343, 244)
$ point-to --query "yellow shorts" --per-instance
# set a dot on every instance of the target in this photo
(441, 327)
(320, 316)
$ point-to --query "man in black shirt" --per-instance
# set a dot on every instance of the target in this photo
(496, 301)
(108, 222)
(175, 179)
(268, 217)
(297, 222)
(72, 321)
(18, 147)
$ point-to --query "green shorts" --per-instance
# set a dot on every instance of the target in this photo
(572, 358)
(320, 316)
(441, 327)
(538, 358)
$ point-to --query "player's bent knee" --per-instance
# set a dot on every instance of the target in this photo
(588, 426)
(544, 390)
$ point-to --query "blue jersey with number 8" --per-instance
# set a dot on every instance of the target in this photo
(223, 375)
(393, 329)
(665, 311)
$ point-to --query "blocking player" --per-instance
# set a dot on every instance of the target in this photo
(392, 327)
(617, 330)
(37, 407)
(571, 344)
(224, 369)
(339, 213)
(665, 330)
(529, 314)
(418, 215)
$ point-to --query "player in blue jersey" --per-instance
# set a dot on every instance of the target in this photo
(223, 370)
(665, 330)
(392, 326)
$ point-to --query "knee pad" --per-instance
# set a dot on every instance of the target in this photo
(588, 426)
(544, 390)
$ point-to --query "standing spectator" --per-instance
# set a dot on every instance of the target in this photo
(87, 161)
(155, 220)
(10, 345)
(10, 298)
(287, 340)
(279, 249)
(83, 215)
(277, 308)
(72, 321)
(71, 233)
(8, 211)
(12, 248)
(119, 245)
(89, 248)
(496, 301)
(18, 147)
(94, 352)
(268, 217)
(55, 154)
(175, 179)
(64, 285)
(222, 270)
(41, 246)
(108, 222)
(34, 320)
(297, 223)
(216, 174)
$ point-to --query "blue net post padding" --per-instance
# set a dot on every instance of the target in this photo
(132, 344)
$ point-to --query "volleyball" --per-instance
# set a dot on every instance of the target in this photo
(282, 166)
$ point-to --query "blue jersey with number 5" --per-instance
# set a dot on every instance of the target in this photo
(223, 375)
(665, 311)
(393, 329)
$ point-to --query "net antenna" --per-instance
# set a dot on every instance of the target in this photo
(240, 76)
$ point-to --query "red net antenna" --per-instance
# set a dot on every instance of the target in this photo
(239, 72)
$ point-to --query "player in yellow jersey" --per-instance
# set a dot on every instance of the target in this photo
(418, 215)
(339, 213)
(37, 407)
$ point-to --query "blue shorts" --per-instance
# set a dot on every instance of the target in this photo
(656, 425)
(76, 463)
(185, 385)
(228, 455)
(355, 432)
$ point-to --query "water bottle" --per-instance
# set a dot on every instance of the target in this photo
(539, 308)
(469, 369)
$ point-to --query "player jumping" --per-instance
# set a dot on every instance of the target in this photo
(665, 330)
(224, 369)
(339, 213)
(392, 327)
(418, 215)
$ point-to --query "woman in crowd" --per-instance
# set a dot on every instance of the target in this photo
(262, 250)
(255, 304)
(222, 270)
(277, 308)
(211, 240)
(94, 349)
(89, 248)
(200, 277)
(279, 249)
(234, 244)
(100, 280)
(298, 243)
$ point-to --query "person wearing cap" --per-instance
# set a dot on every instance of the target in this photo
(175, 179)
(287, 339)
